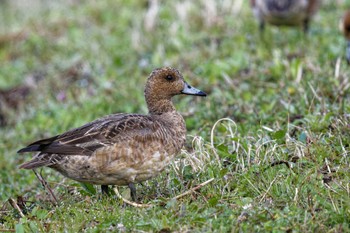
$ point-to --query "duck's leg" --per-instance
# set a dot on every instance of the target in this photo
(132, 191)
(348, 52)
(306, 25)
(261, 26)
(105, 190)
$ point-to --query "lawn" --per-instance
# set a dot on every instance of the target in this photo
(273, 133)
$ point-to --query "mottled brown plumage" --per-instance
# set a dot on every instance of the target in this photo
(345, 28)
(121, 149)
(285, 12)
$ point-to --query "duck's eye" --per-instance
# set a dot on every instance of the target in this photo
(169, 77)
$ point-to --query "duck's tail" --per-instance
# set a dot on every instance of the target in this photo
(35, 163)
(38, 145)
(39, 160)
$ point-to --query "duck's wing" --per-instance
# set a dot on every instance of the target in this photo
(92, 136)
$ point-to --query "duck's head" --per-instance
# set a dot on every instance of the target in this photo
(163, 84)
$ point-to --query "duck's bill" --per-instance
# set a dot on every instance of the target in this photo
(189, 90)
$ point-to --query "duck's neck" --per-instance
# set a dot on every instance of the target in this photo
(159, 106)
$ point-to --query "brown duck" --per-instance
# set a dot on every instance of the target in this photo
(345, 28)
(285, 12)
(121, 149)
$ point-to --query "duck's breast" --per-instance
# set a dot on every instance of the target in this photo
(140, 155)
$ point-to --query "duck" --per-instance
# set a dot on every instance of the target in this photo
(284, 12)
(345, 28)
(121, 149)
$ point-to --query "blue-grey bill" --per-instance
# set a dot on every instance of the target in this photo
(189, 90)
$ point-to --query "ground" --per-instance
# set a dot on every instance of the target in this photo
(273, 132)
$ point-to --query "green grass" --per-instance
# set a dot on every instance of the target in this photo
(280, 162)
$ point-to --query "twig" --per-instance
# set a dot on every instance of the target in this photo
(296, 195)
(7, 230)
(280, 162)
(46, 186)
(268, 189)
(14, 205)
(194, 189)
(115, 189)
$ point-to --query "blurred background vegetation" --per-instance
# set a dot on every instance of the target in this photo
(282, 165)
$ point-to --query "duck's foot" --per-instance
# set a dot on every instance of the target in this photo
(105, 190)
(348, 52)
(261, 26)
(306, 25)
(132, 191)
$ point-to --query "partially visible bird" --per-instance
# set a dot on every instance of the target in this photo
(285, 12)
(121, 149)
(12, 98)
(345, 28)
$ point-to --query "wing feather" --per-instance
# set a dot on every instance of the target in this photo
(97, 134)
